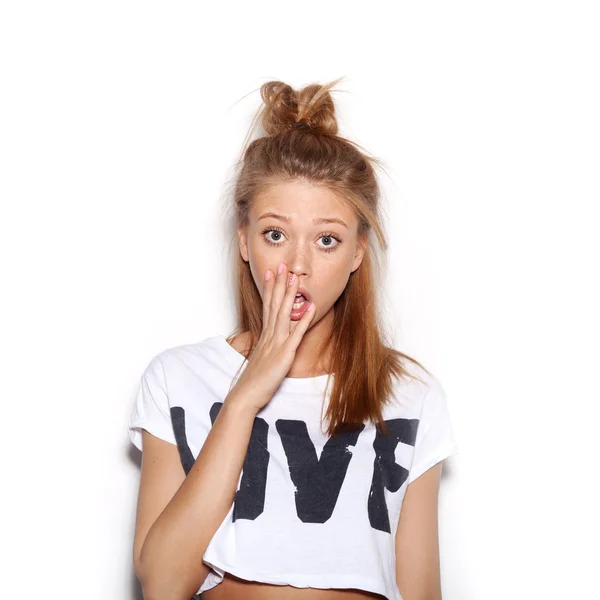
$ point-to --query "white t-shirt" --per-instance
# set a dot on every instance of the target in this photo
(309, 511)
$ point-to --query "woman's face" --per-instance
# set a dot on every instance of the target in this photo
(287, 224)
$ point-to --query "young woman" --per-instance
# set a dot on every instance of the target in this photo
(299, 458)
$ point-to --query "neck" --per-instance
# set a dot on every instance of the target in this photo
(306, 353)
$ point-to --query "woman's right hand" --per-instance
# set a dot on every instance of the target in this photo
(275, 350)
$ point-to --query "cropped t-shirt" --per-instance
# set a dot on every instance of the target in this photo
(310, 510)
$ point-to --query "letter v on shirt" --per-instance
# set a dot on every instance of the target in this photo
(310, 510)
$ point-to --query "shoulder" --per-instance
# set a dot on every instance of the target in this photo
(416, 391)
(241, 342)
(172, 359)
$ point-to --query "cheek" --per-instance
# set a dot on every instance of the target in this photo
(258, 266)
(257, 253)
(341, 267)
(334, 278)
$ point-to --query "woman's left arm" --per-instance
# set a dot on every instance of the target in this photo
(417, 542)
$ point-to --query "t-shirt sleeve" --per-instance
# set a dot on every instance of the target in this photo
(435, 439)
(151, 407)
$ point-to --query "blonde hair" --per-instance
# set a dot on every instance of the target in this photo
(365, 366)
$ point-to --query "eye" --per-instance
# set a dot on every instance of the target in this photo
(277, 235)
(331, 241)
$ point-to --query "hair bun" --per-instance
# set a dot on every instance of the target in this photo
(301, 125)
(308, 109)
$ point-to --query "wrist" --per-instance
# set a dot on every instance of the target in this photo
(242, 402)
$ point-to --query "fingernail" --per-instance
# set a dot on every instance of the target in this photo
(280, 269)
(310, 307)
(292, 279)
(267, 275)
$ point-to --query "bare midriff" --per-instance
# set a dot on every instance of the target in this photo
(234, 588)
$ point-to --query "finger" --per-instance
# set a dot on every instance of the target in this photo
(301, 326)
(282, 326)
(267, 293)
(277, 296)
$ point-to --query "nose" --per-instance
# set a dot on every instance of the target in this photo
(298, 260)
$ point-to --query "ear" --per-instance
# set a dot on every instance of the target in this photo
(361, 248)
(243, 242)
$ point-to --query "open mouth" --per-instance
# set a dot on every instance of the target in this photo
(301, 303)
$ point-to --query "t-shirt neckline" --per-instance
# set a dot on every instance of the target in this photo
(310, 385)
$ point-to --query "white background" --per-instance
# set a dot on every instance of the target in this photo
(119, 124)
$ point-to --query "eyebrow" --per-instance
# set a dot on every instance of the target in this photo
(318, 221)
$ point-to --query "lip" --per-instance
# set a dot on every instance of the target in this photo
(305, 293)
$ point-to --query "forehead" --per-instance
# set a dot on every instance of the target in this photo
(300, 201)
